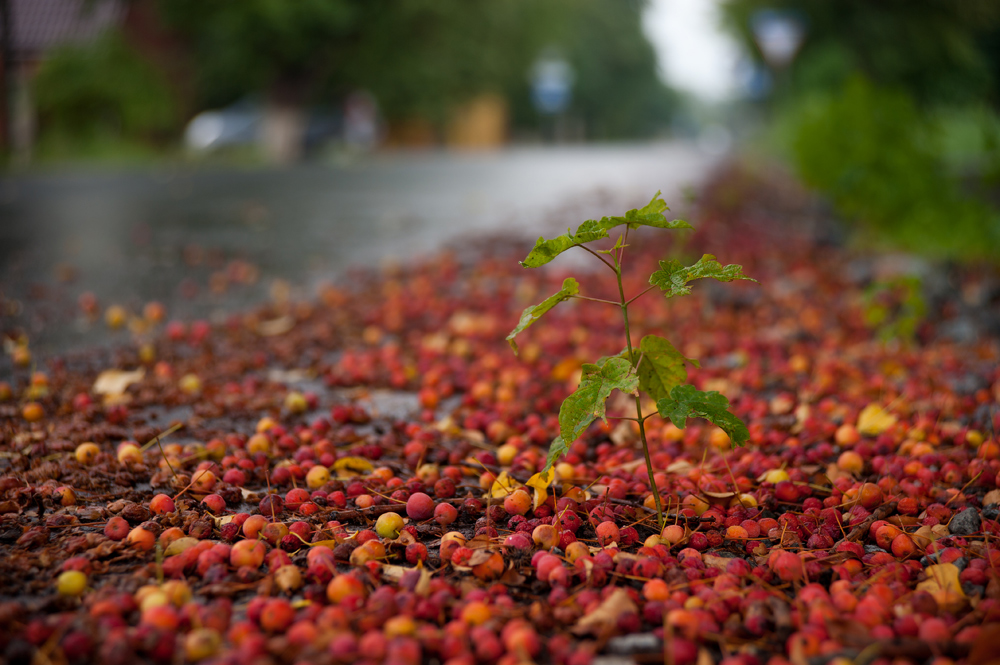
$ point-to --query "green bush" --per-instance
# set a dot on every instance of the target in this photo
(879, 159)
(102, 92)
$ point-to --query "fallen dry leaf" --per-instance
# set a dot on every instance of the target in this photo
(833, 472)
(112, 383)
(392, 572)
(480, 556)
(275, 327)
(924, 536)
(540, 483)
(180, 545)
(873, 420)
(623, 434)
(942, 583)
(349, 467)
(482, 541)
(681, 467)
(503, 485)
(606, 614)
(713, 561)
(326, 543)
(511, 577)
(403, 539)
(423, 587)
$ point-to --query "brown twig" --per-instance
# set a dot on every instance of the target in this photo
(880, 513)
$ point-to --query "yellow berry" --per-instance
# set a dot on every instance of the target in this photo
(71, 583)
(317, 477)
(296, 402)
(86, 452)
(775, 476)
(190, 383)
(115, 316)
(506, 454)
(201, 643)
(388, 525)
(129, 452)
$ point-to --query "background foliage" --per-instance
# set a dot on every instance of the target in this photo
(104, 91)
(890, 108)
(419, 58)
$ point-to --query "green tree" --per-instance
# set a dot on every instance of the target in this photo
(617, 89)
(935, 50)
(421, 57)
(273, 46)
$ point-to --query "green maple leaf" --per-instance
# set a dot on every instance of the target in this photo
(688, 402)
(649, 215)
(673, 277)
(531, 314)
(661, 367)
(586, 404)
(557, 449)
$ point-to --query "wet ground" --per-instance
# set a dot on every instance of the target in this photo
(209, 242)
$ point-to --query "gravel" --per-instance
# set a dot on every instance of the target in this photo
(965, 523)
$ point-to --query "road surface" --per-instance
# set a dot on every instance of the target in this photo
(130, 237)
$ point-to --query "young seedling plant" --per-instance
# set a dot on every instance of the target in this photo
(656, 367)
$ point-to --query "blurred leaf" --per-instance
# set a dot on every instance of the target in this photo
(275, 327)
(349, 467)
(114, 382)
(181, 545)
(325, 543)
(873, 420)
(605, 616)
(942, 582)
(531, 314)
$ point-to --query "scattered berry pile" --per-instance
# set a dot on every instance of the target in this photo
(355, 479)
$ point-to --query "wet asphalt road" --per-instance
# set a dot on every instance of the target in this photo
(130, 237)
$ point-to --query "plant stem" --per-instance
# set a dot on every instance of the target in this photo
(641, 294)
(599, 257)
(621, 252)
(638, 403)
(607, 302)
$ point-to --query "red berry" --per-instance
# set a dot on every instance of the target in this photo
(420, 506)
